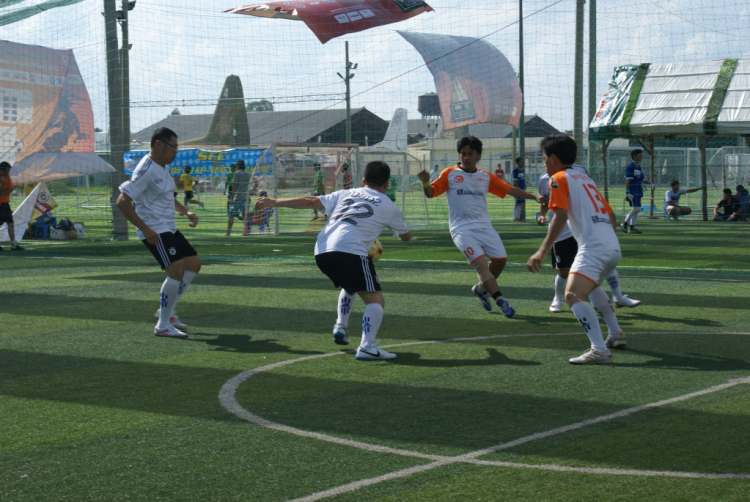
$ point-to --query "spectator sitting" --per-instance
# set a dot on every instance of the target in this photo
(672, 205)
(728, 208)
(741, 191)
(743, 196)
(261, 217)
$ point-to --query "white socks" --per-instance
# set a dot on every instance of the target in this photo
(560, 283)
(590, 323)
(187, 278)
(613, 279)
(632, 216)
(371, 324)
(169, 295)
(344, 307)
(600, 301)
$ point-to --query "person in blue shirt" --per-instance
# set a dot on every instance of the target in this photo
(519, 180)
(634, 180)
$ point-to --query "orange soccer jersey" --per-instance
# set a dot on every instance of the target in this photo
(588, 212)
(6, 184)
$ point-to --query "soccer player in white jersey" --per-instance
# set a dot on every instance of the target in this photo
(356, 218)
(147, 202)
(672, 205)
(575, 198)
(466, 188)
(563, 253)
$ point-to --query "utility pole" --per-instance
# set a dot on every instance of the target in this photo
(578, 85)
(521, 135)
(592, 79)
(114, 88)
(347, 79)
(127, 5)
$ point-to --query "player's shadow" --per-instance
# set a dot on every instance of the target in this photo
(689, 362)
(494, 358)
(245, 344)
(641, 316)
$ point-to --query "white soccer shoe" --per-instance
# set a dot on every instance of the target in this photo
(170, 332)
(556, 306)
(624, 301)
(174, 320)
(592, 356)
(617, 341)
(373, 353)
(340, 334)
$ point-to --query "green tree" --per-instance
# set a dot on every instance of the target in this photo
(176, 111)
(260, 106)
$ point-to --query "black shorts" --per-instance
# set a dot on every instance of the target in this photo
(563, 253)
(171, 247)
(352, 272)
(6, 215)
(188, 194)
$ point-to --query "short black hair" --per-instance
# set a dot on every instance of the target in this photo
(377, 173)
(4, 165)
(727, 191)
(163, 134)
(739, 188)
(345, 167)
(673, 183)
(187, 168)
(241, 165)
(562, 146)
(519, 158)
(635, 153)
(472, 142)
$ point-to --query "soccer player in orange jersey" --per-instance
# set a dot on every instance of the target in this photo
(466, 188)
(576, 200)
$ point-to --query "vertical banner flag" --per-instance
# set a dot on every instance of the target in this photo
(44, 202)
(332, 18)
(475, 82)
(46, 121)
(21, 216)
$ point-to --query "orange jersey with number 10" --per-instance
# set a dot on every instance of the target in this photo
(588, 211)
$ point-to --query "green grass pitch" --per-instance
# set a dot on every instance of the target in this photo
(94, 407)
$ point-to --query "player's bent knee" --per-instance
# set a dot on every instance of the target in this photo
(685, 210)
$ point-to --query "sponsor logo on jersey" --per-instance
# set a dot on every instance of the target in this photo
(458, 179)
(172, 251)
(600, 219)
(552, 183)
(461, 191)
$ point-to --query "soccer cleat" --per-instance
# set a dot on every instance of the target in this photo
(556, 306)
(624, 226)
(373, 353)
(1, 248)
(508, 311)
(174, 321)
(340, 334)
(17, 247)
(592, 356)
(170, 332)
(624, 301)
(634, 230)
(617, 341)
(483, 297)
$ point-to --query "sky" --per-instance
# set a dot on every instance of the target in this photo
(184, 50)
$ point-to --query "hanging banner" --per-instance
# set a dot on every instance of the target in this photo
(332, 18)
(475, 82)
(209, 163)
(46, 121)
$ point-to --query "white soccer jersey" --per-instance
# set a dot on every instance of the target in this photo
(356, 218)
(672, 196)
(543, 189)
(151, 187)
(588, 211)
(467, 196)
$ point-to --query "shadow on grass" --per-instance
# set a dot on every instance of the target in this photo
(495, 357)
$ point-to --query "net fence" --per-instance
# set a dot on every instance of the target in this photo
(293, 93)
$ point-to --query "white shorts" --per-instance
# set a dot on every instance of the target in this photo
(480, 242)
(594, 264)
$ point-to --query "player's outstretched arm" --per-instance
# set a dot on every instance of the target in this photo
(307, 202)
(523, 194)
(424, 177)
(696, 189)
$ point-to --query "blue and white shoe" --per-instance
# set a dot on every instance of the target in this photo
(508, 311)
(483, 297)
(340, 334)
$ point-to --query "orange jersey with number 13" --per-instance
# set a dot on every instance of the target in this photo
(588, 211)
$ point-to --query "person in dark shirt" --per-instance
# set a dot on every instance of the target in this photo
(728, 208)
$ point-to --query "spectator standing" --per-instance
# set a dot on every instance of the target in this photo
(519, 181)
(499, 172)
(346, 178)
(6, 214)
(240, 182)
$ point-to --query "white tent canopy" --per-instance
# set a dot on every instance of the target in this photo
(679, 99)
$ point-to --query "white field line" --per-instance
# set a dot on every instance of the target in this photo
(228, 401)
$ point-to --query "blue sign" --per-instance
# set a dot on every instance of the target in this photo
(209, 163)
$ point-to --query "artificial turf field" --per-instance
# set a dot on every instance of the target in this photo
(94, 407)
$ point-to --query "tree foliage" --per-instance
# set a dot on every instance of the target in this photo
(260, 106)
